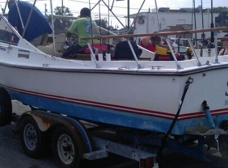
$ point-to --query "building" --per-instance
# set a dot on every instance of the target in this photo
(172, 20)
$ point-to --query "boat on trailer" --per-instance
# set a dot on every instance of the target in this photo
(141, 98)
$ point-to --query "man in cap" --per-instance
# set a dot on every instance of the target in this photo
(82, 27)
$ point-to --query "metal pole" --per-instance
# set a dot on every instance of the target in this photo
(194, 12)
(156, 6)
(203, 34)
(113, 14)
(138, 12)
(128, 14)
(53, 30)
(212, 23)
(29, 17)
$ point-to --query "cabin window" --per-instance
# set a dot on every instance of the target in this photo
(7, 35)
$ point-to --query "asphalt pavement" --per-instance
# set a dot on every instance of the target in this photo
(12, 155)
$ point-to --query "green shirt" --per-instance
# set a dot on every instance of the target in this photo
(82, 28)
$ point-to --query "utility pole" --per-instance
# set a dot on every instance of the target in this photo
(45, 9)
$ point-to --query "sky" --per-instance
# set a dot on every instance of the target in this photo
(120, 7)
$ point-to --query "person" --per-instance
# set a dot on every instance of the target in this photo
(82, 27)
(150, 43)
(158, 46)
(224, 50)
(38, 27)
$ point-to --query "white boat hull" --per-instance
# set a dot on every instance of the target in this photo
(143, 100)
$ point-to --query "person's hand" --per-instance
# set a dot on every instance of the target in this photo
(68, 34)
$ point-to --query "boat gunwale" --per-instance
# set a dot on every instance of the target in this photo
(164, 72)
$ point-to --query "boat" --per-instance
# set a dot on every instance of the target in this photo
(132, 91)
(178, 98)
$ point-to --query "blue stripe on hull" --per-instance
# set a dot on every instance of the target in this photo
(109, 116)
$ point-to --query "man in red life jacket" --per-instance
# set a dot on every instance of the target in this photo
(150, 43)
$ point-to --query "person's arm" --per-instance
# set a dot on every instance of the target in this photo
(221, 51)
(68, 34)
(73, 29)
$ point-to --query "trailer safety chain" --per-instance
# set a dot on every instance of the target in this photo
(166, 136)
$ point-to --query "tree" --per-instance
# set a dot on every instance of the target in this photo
(62, 10)
(61, 25)
(222, 19)
(102, 23)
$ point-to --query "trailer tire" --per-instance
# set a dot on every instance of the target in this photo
(68, 148)
(32, 139)
(5, 107)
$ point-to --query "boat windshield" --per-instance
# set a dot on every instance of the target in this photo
(7, 33)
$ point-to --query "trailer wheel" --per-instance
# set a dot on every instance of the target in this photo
(32, 138)
(223, 145)
(67, 148)
(5, 107)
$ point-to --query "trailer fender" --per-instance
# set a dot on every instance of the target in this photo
(46, 120)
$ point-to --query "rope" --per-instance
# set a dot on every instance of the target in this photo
(165, 138)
